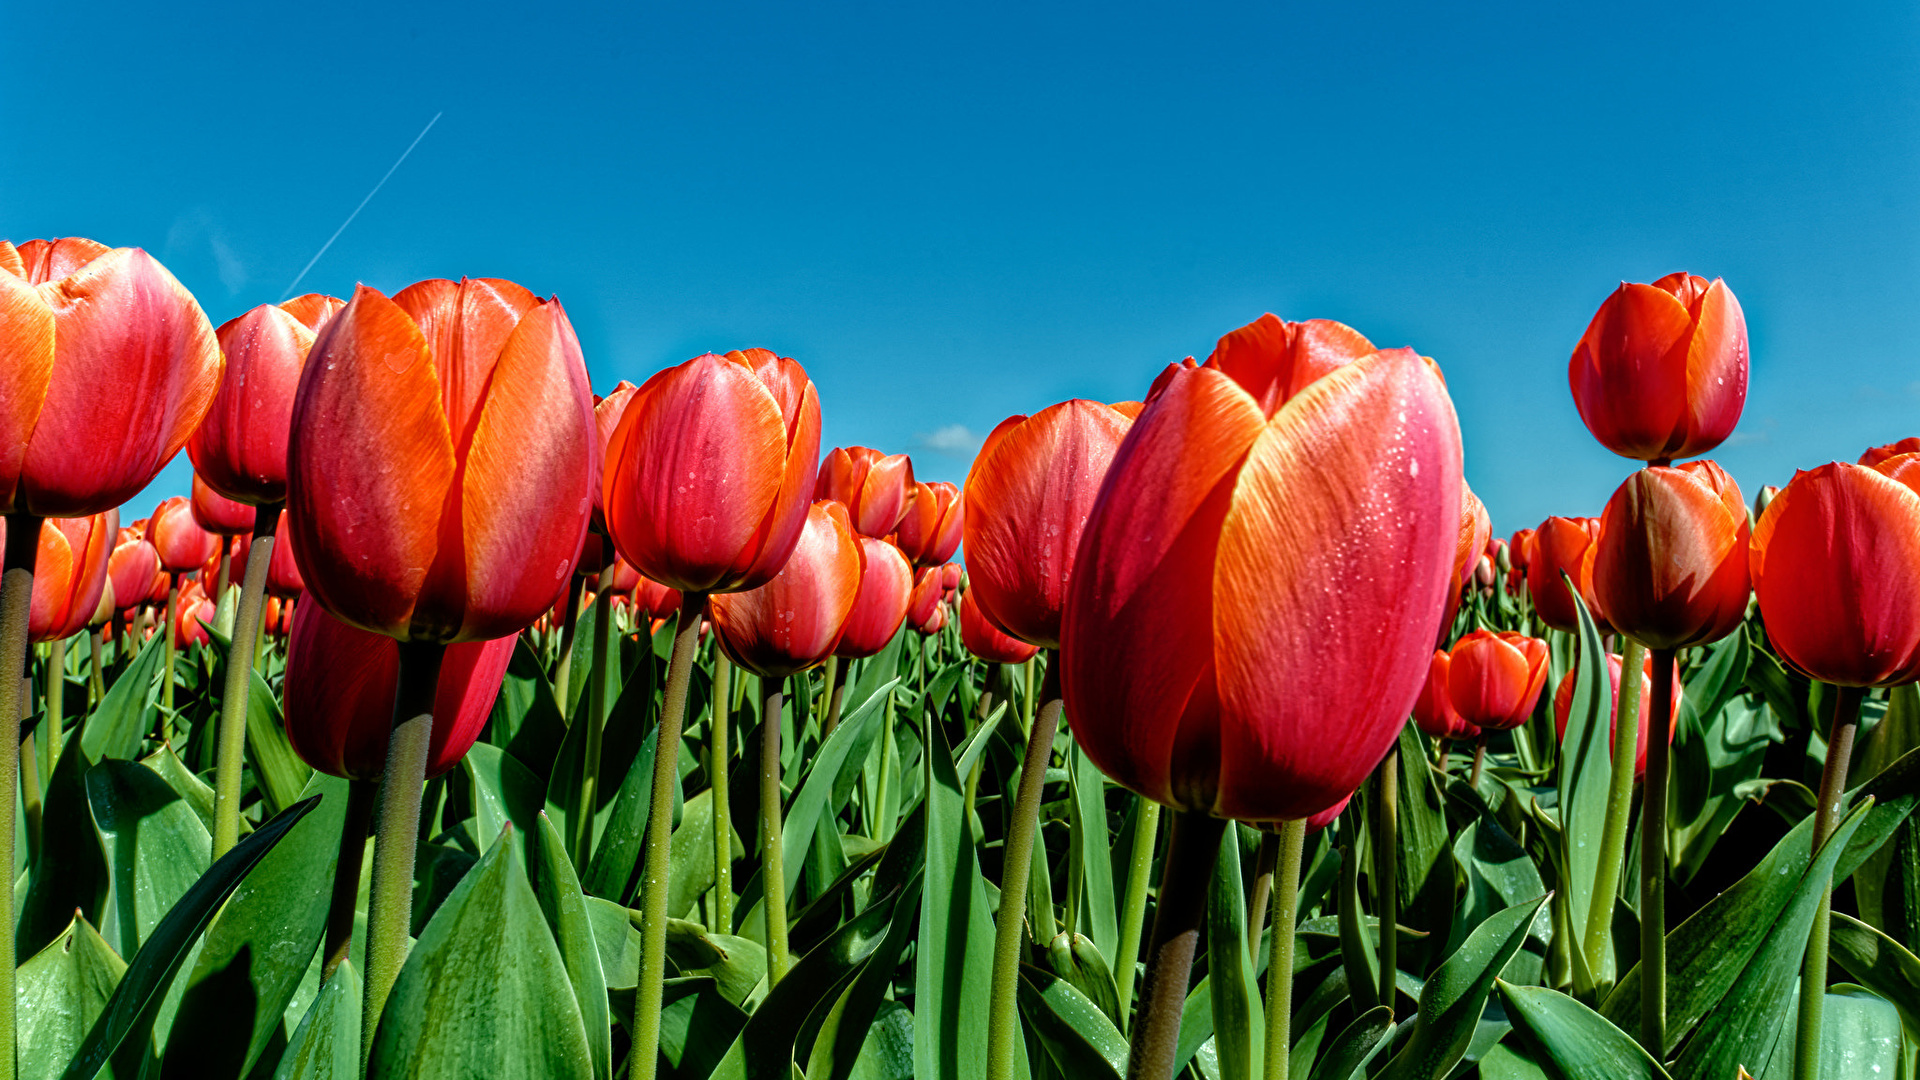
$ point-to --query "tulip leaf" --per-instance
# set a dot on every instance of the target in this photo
(156, 846)
(617, 941)
(505, 792)
(1426, 889)
(326, 1044)
(1509, 1061)
(525, 721)
(451, 1013)
(1087, 825)
(1882, 964)
(132, 1010)
(1454, 998)
(1348, 1055)
(1238, 1028)
(1079, 1038)
(690, 853)
(616, 857)
(1586, 770)
(625, 730)
(953, 965)
(62, 990)
(279, 770)
(823, 771)
(1581, 1044)
(565, 908)
(259, 947)
(128, 711)
(845, 1034)
(69, 871)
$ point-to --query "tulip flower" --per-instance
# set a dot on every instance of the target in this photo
(283, 570)
(131, 568)
(1433, 711)
(218, 514)
(793, 622)
(655, 600)
(71, 573)
(886, 584)
(195, 614)
(950, 578)
(1670, 566)
(875, 487)
(930, 530)
(1563, 706)
(1494, 679)
(925, 598)
(181, 542)
(1519, 549)
(1564, 544)
(240, 449)
(1879, 454)
(987, 641)
(1661, 372)
(1475, 529)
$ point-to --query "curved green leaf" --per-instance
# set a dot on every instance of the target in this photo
(155, 845)
(326, 1045)
(1077, 1035)
(953, 961)
(1361, 1041)
(1879, 962)
(565, 909)
(1456, 995)
(62, 990)
(127, 712)
(69, 872)
(1581, 1043)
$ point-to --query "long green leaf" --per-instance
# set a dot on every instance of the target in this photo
(279, 770)
(1087, 818)
(1359, 1043)
(155, 844)
(1586, 769)
(1077, 1035)
(1238, 1035)
(69, 872)
(565, 909)
(953, 962)
(1581, 1043)
(127, 712)
(844, 1036)
(617, 855)
(1454, 998)
(1882, 964)
(326, 1044)
(797, 829)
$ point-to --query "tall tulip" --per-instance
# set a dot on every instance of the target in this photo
(1564, 544)
(439, 480)
(930, 529)
(875, 487)
(1670, 566)
(1661, 372)
(987, 641)
(1209, 661)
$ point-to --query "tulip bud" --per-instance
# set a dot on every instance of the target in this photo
(930, 528)
(793, 621)
(71, 572)
(240, 449)
(1075, 959)
(1564, 545)
(1433, 711)
(1670, 565)
(875, 487)
(183, 546)
(1764, 499)
(1494, 679)
(880, 606)
(132, 567)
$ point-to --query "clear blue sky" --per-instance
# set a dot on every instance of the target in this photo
(954, 213)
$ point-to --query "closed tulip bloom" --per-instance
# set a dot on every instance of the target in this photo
(930, 529)
(596, 550)
(655, 600)
(1027, 499)
(793, 622)
(1836, 565)
(987, 641)
(1878, 454)
(1670, 567)
(131, 568)
(874, 486)
(339, 694)
(710, 470)
(71, 573)
(886, 583)
(950, 577)
(1211, 662)
(1563, 707)
(183, 546)
(1433, 711)
(1661, 372)
(1495, 679)
(935, 623)
(241, 447)
(109, 365)
(218, 514)
(925, 597)
(441, 465)
(1520, 551)
(1475, 529)
(1564, 544)
(194, 615)
(283, 571)
(625, 578)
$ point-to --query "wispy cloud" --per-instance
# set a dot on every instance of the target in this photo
(953, 440)
(196, 231)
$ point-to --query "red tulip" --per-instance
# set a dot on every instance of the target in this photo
(441, 464)
(925, 597)
(1670, 566)
(1475, 529)
(950, 575)
(109, 366)
(935, 623)
(237, 549)
(1564, 544)
(1328, 816)
(886, 583)
(987, 641)
(283, 570)
(1027, 499)
(709, 472)
(1661, 372)
(625, 578)
(596, 551)
(241, 447)
(1836, 568)
(193, 615)
(183, 546)
(1433, 711)
(340, 687)
(1520, 550)
(1879, 454)
(131, 569)
(655, 600)
(1253, 607)
(930, 529)
(792, 622)
(874, 487)
(1563, 706)
(218, 514)
(71, 573)
(1494, 679)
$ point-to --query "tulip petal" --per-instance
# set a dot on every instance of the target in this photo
(240, 448)
(773, 542)
(880, 606)
(1636, 400)
(10, 260)
(1333, 567)
(466, 325)
(1716, 372)
(1274, 360)
(50, 260)
(27, 349)
(793, 621)
(53, 575)
(314, 310)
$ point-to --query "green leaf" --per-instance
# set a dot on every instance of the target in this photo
(156, 847)
(1579, 1042)
(626, 728)
(259, 947)
(1510, 1062)
(690, 854)
(1425, 883)
(565, 909)
(131, 1010)
(845, 1036)
(1079, 1038)
(129, 709)
(617, 856)
(797, 830)
(697, 1025)
(953, 960)
(455, 1011)
(1361, 1041)
(1238, 1021)
(1456, 995)
(505, 792)
(618, 942)
(1859, 1036)
(326, 1045)
(1586, 768)
(69, 872)
(168, 766)
(279, 770)
(62, 990)
(1879, 962)
(526, 722)
(1087, 822)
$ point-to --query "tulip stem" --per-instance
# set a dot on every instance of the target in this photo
(16, 610)
(1386, 872)
(973, 776)
(1133, 916)
(719, 757)
(882, 820)
(1479, 760)
(1193, 846)
(361, 795)
(97, 686)
(1813, 969)
(563, 664)
(1264, 864)
(54, 723)
(773, 872)
(1286, 902)
(1613, 833)
(837, 671)
(1003, 1020)
(598, 680)
(1653, 863)
(644, 1060)
(230, 752)
(397, 829)
(166, 684)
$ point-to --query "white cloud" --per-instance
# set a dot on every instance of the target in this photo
(953, 440)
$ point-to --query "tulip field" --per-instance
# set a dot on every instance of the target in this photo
(463, 722)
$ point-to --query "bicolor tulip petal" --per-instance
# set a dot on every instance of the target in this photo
(183, 546)
(1670, 565)
(931, 526)
(1661, 371)
(793, 621)
(240, 449)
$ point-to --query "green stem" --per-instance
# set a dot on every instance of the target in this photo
(1813, 969)
(1386, 871)
(1003, 1020)
(719, 758)
(230, 755)
(396, 833)
(973, 774)
(1133, 916)
(166, 684)
(16, 610)
(54, 723)
(1653, 863)
(1264, 864)
(96, 686)
(1286, 901)
(1192, 848)
(645, 1057)
(361, 795)
(773, 874)
(882, 819)
(837, 670)
(563, 664)
(1613, 832)
(586, 799)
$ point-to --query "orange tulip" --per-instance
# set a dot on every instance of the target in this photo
(1433, 711)
(1564, 544)
(930, 529)
(655, 600)
(625, 578)
(131, 568)
(709, 472)
(441, 463)
(218, 514)
(1027, 498)
(241, 447)
(925, 597)
(874, 487)
(110, 365)
(987, 641)
(1494, 679)
(183, 546)
(886, 583)
(1520, 551)
(72, 573)
(1670, 566)
(793, 622)
(1563, 707)
(1836, 568)
(1661, 372)
(1879, 454)
(1253, 609)
(596, 550)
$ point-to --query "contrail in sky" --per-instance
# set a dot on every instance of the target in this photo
(363, 205)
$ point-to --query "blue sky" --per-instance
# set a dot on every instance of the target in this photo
(954, 213)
